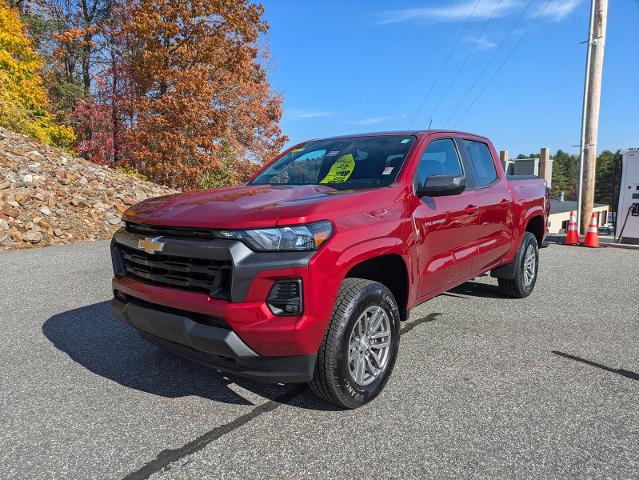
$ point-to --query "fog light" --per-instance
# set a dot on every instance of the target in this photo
(285, 297)
(120, 295)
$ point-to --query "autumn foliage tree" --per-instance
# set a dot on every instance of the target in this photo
(94, 120)
(174, 89)
(23, 98)
(194, 91)
(66, 35)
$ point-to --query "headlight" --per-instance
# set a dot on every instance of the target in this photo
(295, 238)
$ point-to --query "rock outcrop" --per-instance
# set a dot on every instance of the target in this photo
(48, 197)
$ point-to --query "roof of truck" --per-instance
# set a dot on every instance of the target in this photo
(401, 132)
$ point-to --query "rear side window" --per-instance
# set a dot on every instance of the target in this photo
(439, 158)
(482, 163)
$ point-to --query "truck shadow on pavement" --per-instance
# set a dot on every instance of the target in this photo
(91, 337)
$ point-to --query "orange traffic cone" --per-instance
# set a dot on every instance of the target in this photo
(572, 237)
(592, 236)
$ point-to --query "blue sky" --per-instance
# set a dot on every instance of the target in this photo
(356, 66)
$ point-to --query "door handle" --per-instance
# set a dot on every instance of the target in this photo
(504, 203)
(470, 209)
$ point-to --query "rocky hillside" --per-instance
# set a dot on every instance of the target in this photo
(48, 197)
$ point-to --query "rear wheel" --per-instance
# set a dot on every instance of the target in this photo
(526, 266)
(359, 349)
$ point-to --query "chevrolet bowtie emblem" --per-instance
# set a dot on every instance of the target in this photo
(151, 244)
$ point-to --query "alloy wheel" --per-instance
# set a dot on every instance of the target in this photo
(369, 346)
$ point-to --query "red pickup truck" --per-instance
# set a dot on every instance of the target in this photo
(305, 273)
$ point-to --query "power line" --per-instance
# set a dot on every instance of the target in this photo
(490, 61)
(510, 54)
(463, 64)
(441, 70)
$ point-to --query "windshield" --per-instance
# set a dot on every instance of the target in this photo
(351, 162)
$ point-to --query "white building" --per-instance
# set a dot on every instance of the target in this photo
(560, 214)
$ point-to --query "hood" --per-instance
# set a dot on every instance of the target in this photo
(249, 206)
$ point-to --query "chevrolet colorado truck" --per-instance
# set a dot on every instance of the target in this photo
(304, 273)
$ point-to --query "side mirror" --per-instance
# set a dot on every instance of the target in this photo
(437, 185)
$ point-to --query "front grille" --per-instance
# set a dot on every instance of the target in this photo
(196, 274)
(154, 231)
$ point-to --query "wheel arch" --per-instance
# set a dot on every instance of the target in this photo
(390, 270)
(536, 226)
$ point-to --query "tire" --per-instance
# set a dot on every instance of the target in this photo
(523, 283)
(358, 301)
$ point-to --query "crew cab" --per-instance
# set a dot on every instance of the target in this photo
(304, 273)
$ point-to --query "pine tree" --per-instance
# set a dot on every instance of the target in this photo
(564, 175)
(607, 178)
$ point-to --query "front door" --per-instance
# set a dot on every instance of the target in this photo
(445, 226)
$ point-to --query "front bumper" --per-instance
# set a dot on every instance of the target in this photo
(212, 345)
(243, 305)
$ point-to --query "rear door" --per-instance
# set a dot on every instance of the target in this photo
(494, 230)
(445, 226)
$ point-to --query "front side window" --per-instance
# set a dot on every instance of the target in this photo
(439, 158)
(482, 163)
(344, 163)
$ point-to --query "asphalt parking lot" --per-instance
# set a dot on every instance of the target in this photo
(484, 387)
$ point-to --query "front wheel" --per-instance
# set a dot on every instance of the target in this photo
(359, 349)
(526, 267)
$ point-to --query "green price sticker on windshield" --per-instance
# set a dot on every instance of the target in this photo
(341, 170)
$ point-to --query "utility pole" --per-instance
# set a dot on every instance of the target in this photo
(504, 156)
(590, 113)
